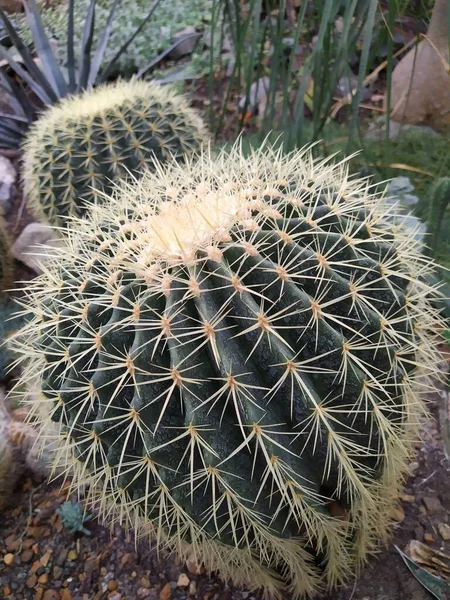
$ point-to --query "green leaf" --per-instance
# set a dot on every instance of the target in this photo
(71, 48)
(45, 91)
(88, 35)
(433, 584)
(44, 51)
(101, 48)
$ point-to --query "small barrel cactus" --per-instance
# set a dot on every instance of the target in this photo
(233, 349)
(78, 148)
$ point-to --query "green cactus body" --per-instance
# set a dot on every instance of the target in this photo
(5, 257)
(231, 348)
(78, 148)
(439, 202)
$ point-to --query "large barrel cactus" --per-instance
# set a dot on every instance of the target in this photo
(78, 148)
(233, 350)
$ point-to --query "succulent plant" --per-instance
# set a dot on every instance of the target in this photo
(233, 350)
(73, 517)
(77, 150)
(5, 257)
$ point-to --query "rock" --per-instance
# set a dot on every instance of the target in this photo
(193, 588)
(33, 246)
(349, 85)
(112, 585)
(43, 578)
(413, 467)
(45, 558)
(433, 505)
(11, 6)
(183, 580)
(420, 87)
(72, 555)
(257, 95)
(188, 38)
(26, 555)
(166, 592)
(8, 559)
(398, 514)
(8, 177)
(428, 538)
(51, 595)
(408, 498)
(444, 531)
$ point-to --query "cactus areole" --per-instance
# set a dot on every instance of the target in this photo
(231, 349)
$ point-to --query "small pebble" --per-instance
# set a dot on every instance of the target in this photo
(183, 580)
(166, 592)
(428, 538)
(8, 559)
(32, 581)
(444, 531)
(112, 585)
(26, 555)
(72, 555)
(408, 498)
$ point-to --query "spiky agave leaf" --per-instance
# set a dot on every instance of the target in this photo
(47, 80)
(234, 351)
(81, 146)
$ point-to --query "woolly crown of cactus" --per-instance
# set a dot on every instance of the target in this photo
(233, 350)
(86, 142)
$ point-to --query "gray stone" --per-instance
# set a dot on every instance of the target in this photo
(8, 176)
(33, 246)
(257, 94)
(433, 505)
(188, 38)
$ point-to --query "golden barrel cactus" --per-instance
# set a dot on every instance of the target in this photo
(233, 351)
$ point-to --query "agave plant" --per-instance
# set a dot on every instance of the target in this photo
(45, 81)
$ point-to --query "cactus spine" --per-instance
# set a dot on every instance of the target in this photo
(78, 148)
(232, 349)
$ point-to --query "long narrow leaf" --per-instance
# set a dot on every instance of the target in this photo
(8, 141)
(70, 48)
(13, 118)
(100, 52)
(35, 87)
(18, 98)
(368, 35)
(9, 125)
(27, 59)
(164, 53)
(88, 35)
(124, 47)
(43, 49)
